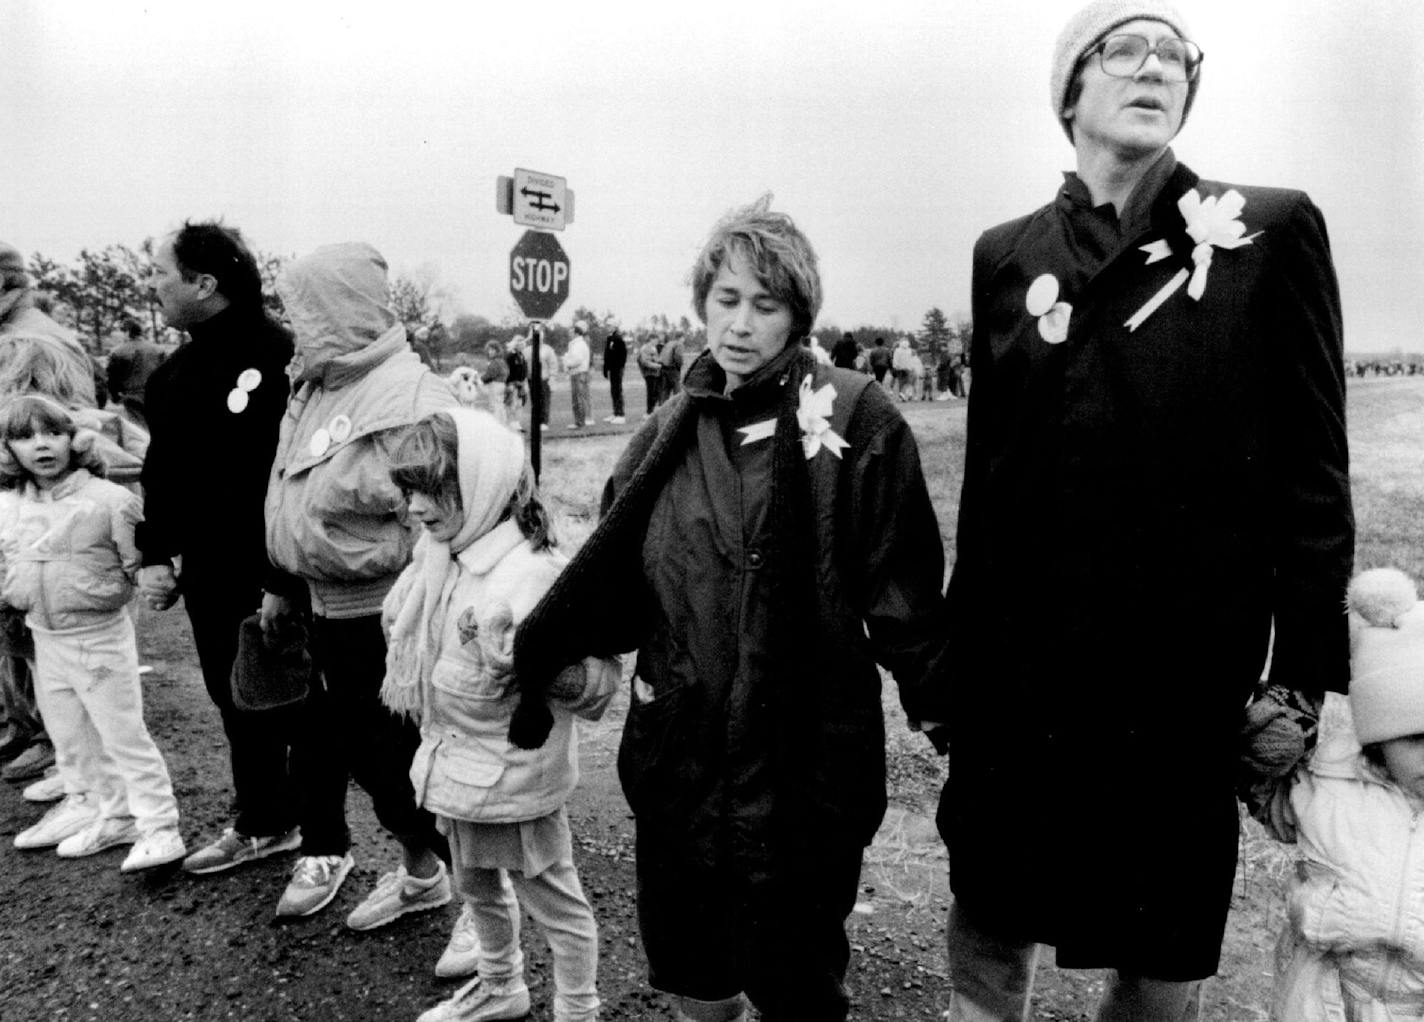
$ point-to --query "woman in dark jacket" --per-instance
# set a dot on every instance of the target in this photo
(767, 538)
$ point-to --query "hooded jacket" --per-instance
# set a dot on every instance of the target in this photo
(334, 518)
(465, 767)
(1352, 949)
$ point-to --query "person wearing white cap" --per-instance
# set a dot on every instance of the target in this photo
(1155, 478)
(1348, 948)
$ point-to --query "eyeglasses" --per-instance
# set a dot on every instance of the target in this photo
(1122, 56)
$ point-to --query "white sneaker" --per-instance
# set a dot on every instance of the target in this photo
(48, 788)
(461, 956)
(315, 881)
(99, 836)
(68, 818)
(156, 849)
(616, 420)
(479, 1001)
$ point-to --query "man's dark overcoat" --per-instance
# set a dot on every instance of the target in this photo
(1139, 507)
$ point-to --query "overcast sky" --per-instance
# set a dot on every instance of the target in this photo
(894, 131)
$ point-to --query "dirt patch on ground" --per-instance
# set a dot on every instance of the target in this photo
(80, 941)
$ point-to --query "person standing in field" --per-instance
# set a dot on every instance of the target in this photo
(615, 358)
(774, 525)
(213, 408)
(337, 523)
(577, 359)
(1156, 483)
(651, 366)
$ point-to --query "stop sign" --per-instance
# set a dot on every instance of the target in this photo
(538, 274)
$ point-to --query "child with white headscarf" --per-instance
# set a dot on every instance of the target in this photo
(485, 559)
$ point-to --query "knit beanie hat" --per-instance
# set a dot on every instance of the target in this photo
(1088, 26)
(1386, 656)
(11, 261)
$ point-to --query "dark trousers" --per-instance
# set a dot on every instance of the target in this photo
(671, 383)
(349, 733)
(711, 933)
(615, 390)
(654, 385)
(258, 743)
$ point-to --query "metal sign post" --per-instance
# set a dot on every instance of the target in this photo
(536, 398)
(538, 270)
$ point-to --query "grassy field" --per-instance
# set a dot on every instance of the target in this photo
(1386, 429)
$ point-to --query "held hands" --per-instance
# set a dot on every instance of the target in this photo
(275, 615)
(158, 586)
(1278, 733)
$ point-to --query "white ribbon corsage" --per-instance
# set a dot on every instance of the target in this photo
(1053, 315)
(813, 412)
(247, 381)
(1212, 222)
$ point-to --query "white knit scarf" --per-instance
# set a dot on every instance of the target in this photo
(490, 462)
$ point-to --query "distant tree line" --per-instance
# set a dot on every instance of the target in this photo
(101, 288)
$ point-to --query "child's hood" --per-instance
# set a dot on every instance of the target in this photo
(338, 300)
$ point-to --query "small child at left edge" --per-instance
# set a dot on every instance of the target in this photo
(69, 557)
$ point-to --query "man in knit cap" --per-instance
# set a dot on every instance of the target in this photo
(1156, 477)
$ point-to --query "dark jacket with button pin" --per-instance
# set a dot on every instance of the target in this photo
(756, 712)
(1142, 508)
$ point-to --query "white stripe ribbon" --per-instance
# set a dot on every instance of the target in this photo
(757, 431)
(1155, 302)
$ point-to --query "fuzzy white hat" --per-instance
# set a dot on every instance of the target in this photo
(1386, 656)
(1090, 25)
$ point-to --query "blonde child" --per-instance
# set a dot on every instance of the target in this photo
(484, 561)
(1353, 946)
(70, 562)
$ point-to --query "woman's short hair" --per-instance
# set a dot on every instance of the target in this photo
(779, 255)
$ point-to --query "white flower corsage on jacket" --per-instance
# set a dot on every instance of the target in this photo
(1212, 222)
(813, 413)
(1053, 315)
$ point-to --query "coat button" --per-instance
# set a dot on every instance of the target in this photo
(754, 559)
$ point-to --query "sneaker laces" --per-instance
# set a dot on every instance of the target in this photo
(315, 870)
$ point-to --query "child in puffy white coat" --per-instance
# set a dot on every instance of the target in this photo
(1353, 946)
(67, 535)
(484, 561)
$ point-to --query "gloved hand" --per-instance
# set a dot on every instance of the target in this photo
(531, 722)
(1277, 734)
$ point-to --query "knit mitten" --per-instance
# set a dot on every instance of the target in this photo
(1278, 733)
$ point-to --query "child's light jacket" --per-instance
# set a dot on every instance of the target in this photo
(69, 554)
(1353, 946)
(465, 767)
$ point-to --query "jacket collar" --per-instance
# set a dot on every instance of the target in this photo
(480, 557)
(706, 382)
(70, 484)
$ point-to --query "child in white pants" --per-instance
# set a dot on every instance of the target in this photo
(482, 564)
(70, 561)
